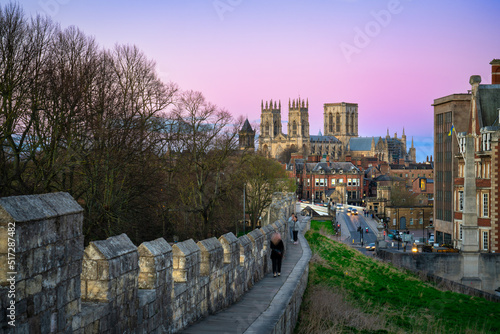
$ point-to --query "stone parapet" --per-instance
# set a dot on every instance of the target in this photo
(112, 286)
(41, 250)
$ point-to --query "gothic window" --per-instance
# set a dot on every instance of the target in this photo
(337, 123)
(275, 128)
(330, 123)
(266, 129)
(294, 128)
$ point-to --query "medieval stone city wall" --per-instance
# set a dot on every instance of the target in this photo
(113, 286)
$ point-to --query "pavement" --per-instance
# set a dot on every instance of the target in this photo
(259, 308)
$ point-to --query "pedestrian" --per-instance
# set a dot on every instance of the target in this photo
(295, 230)
(290, 223)
(277, 252)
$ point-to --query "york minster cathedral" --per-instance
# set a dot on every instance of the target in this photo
(339, 139)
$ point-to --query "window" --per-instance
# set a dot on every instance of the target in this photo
(485, 205)
(317, 182)
(485, 240)
(460, 200)
(349, 182)
(421, 221)
(333, 182)
(411, 221)
(341, 181)
(394, 221)
(460, 231)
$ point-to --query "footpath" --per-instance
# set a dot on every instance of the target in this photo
(261, 308)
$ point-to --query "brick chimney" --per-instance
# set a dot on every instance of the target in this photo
(495, 71)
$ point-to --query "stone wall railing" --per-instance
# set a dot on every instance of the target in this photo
(56, 286)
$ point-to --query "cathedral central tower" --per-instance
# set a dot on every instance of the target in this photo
(341, 120)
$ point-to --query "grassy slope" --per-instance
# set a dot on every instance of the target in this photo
(400, 301)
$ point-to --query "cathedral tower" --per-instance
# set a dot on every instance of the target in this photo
(270, 119)
(270, 127)
(298, 122)
(341, 120)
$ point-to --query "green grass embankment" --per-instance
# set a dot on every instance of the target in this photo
(351, 293)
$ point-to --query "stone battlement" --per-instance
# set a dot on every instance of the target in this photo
(113, 286)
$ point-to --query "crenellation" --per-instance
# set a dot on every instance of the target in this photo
(112, 285)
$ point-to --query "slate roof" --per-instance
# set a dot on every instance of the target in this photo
(362, 143)
(387, 178)
(489, 102)
(323, 139)
(247, 127)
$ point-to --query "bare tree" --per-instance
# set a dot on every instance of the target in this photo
(207, 142)
(23, 52)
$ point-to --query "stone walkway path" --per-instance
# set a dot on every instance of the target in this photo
(251, 313)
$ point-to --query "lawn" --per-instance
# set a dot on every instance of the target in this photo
(351, 293)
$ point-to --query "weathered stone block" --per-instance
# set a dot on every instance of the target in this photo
(97, 291)
(34, 285)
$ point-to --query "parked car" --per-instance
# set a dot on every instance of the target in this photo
(370, 246)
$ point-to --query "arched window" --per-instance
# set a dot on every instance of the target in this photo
(266, 129)
(276, 128)
(294, 128)
(330, 123)
(337, 123)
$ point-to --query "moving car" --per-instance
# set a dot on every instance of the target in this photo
(367, 230)
(370, 246)
(354, 212)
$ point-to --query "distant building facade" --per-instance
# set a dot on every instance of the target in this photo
(449, 110)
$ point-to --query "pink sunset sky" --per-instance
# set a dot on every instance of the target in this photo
(391, 57)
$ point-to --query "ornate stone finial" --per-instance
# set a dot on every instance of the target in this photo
(266, 105)
(404, 131)
(411, 141)
(307, 103)
(388, 132)
(261, 105)
(289, 103)
(279, 105)
(293, 104)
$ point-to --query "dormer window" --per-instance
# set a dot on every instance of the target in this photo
(486, 141)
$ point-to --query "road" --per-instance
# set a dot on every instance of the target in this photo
(349, 226)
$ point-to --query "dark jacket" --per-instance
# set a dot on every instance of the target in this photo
(278, 250)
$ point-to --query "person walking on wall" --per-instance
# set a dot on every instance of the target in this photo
(295, 229)
(290, 227)
(277, 253)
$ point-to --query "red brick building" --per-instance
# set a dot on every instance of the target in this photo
(324, 181)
